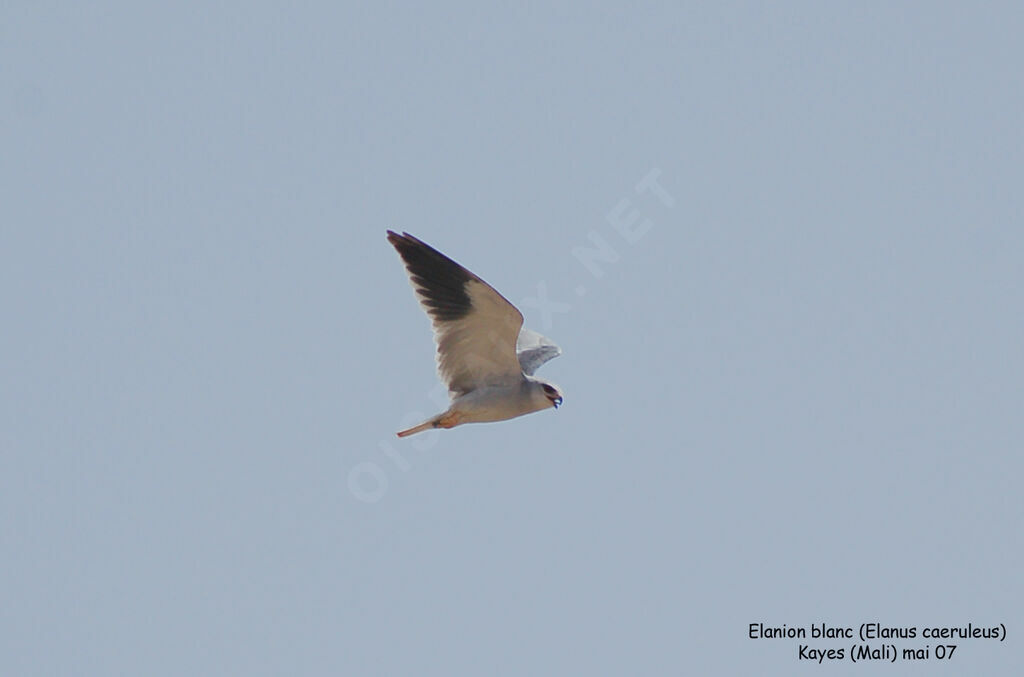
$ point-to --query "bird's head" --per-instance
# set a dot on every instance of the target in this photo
(552, 393)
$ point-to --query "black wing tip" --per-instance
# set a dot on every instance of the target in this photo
(410, 243)
(440, 281)
(406, 239)
(413, 251)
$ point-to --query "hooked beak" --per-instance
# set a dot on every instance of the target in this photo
(556, 401)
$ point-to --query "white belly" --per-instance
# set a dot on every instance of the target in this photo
(494, 403)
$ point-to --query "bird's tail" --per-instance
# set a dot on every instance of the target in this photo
(426, 425)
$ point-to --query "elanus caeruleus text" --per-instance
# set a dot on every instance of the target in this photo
(484, 355)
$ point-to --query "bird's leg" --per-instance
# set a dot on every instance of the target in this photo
(449, 419)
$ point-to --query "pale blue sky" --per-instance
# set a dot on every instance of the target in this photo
(795, 398)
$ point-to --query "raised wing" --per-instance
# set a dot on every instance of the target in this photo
(475, 327)
(533, 350)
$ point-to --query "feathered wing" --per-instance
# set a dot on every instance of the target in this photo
(534, 349)
(475, 327)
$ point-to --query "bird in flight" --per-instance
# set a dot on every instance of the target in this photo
(484, 355)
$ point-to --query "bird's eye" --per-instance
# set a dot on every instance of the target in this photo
(548, 389)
